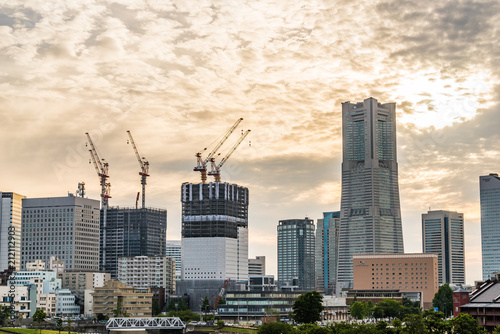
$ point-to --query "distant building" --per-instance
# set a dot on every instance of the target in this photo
(134, 302)
(411, 274)
(38, 265)
(327, 248)
(214, 231)
(66, 304)
(443, 234)
(174, 250)
(370, 213)
(489, 192)
(10, 226)
(484, 303)
(335, 309)
(257, 266)
(78, 282)
(66, 227)
(56, 265)
(262, 283)
(296, 253)
(460, 297)
(127, 232)
(24, 299)
(148, 272)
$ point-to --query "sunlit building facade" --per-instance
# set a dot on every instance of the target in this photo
(327, 246)
(370, 215)
(10, 226)
(489, 192)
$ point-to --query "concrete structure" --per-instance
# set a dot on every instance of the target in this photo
(134, 302)
(407, 273)
(66, 304)
(327, 248)
(370, 213)
(214, 231)
(443, 234)
(148, 272)
(489, 192)
(249, 306)
(335, 309)
(78, 282)
(374, 296)
(296, 253)
(56, 265)
(88, 304)
(66, 227)
(257, 266)
(174, 250)
(127, 232)
(38, 265)
(24, 299)
(10, 226)
(484, 303)
(22, 278)
(262, 283)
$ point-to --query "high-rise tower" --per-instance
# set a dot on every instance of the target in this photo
(327, 247)
(370, 216)
(443, 234)
(489, 192)
(10, 230)
(296, 253)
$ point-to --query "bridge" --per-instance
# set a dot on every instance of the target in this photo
(156, 323)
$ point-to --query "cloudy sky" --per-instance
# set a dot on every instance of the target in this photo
(179, 73)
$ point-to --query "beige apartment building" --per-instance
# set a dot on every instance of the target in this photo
(129, 301)
(409, 273)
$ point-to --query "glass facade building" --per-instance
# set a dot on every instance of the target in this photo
(129, 232)
(370, 214)
(296, 253)
(327, 246)
(489, 192)
(443, 234)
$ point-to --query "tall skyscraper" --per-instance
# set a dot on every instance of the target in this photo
(296, 253)
(443, 234)
(370, 214)
(174, 250)
(65, 227)
(214, 231)
(327, 247)
(489, 192)
(131, 232)
(10, 226)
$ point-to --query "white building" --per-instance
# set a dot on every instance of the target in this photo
(147, 272)
(38, 265)
(24, 300)
(174, 250)
(65, 304)
(257, 266)
(10, 226)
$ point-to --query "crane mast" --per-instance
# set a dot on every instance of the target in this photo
(215, 172)
(102, 168)
(144, 173)
(202, 163)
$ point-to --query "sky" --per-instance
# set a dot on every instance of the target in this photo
(177, 74)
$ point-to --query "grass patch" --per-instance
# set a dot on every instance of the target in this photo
(239, 330)
(31, 331)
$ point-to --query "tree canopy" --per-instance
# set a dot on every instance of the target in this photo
(308, 307)
(443, 300)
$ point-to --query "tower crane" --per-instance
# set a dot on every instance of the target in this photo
(202, 163)
(221, 293)
(144, 173)
(101, 167)
(215, 172)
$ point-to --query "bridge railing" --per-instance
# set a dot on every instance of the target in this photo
(145, 323)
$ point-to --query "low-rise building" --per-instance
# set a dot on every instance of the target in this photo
(130, 301)
(78, 282)
(38, 265)
(460, 297)
(148, 272)
(66, 304)
(335, 309)
(24, 299)
(412, 274)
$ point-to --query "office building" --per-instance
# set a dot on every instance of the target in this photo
(489, 192)
(148, 272)
(214, 231)
(10, 226)
(78, 282)
(443, 234)
(370, 214)
(116, 296)
(408, 274)
(296, 253)
(129, 232)
(257, 266)
(66, 227)
(327, 247)
(174, 250)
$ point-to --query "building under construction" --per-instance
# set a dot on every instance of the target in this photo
(127, 232)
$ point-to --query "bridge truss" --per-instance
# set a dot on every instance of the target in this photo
(145, 323)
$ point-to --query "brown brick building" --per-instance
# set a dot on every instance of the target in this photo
(133, 302)
(409, 273)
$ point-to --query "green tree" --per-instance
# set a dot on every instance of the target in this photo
(4, 314)
(155, 309)
(466, 324)
(39, 317)
(220, 324)
(68, 325)
(497, 330)
(443, 300)
(389, 308)
(435, 322)
(59, 324)
(276, 327)
(205, 306)
(414, 324)
(182, 306)
(360, 310)
(171, 306)
(308, 307)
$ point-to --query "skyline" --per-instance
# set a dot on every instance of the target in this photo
(177, 74)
